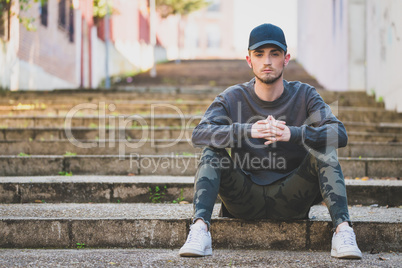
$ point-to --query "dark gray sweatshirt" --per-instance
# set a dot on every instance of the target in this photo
(228, 120)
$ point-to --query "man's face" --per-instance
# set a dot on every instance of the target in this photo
(268, 63)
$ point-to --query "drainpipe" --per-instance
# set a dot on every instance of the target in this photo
(152, 35)
(107, 42)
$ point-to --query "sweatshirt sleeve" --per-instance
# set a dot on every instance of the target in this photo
(321, 129)
(216, 128)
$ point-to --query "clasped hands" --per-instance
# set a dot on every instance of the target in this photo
(270, 129)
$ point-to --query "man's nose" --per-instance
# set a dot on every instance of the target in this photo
(267, 60)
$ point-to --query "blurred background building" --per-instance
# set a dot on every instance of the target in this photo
(345, 44)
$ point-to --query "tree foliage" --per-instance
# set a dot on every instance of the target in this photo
(24, 5)
(183, 7)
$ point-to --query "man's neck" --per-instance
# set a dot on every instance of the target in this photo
(269, 92)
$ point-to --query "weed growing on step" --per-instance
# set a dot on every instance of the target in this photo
(185, 154)
(65, 173)
(180, 198)
(70, 154)
(157, 194)
(24, 154)
(81, 245)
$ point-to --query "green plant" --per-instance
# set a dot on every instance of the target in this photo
(380, 99)
(180, 198)
(157, 194)
(184, 154)
(80, 245)
(101, 8)
(182, 7)
(93, 125)
(65, 173)
(24, 154)
(24, 6)
(70, 154)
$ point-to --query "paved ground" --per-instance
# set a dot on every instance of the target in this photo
(209, 72)
(167, 211)
(170, 258)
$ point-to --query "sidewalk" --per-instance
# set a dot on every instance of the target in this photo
(170, 258)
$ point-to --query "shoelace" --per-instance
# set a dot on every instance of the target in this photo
(348, 238)
(194, 236)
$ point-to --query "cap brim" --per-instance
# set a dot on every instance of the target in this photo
(257, 45)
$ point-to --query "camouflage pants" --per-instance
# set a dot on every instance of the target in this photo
(288, 198)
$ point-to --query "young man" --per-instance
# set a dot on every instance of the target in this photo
(283, 140)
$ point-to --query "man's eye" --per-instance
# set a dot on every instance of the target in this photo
(276, 54)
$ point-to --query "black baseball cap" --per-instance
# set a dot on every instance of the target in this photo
(267, 34)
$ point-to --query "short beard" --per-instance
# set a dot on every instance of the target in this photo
(269, 80)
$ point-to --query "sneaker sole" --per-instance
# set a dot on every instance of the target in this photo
(346, 255)
(195, 253)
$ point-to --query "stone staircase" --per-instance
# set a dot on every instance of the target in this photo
(113, 175)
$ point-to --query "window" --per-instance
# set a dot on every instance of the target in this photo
(71, 24)
(5, 20)
(43, 12)
(66, 18)
(62, 20)
(215, 6)
(213, 36)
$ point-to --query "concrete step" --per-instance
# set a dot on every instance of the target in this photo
(363, 114)
(99, 147)
(170, 258)
(174, 165)
(93, 133)
(164, 146)
(114, 108)
(148, 121)
(133, 93)
(143, 189)
(374, 136)
(388, 128)
(109, 121)
(371, 149)
(167, 225)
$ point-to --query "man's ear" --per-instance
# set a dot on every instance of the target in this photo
(287, 59)
(249, 61)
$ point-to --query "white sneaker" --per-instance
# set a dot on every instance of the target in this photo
(344, 244)
(198, 243)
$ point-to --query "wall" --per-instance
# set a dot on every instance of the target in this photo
(251, 13)
(8, 55)
(323, 41)
(353, 45)
(47, 56)
(130, 27)
(118, 64)
(209, 33)
(384, 51)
